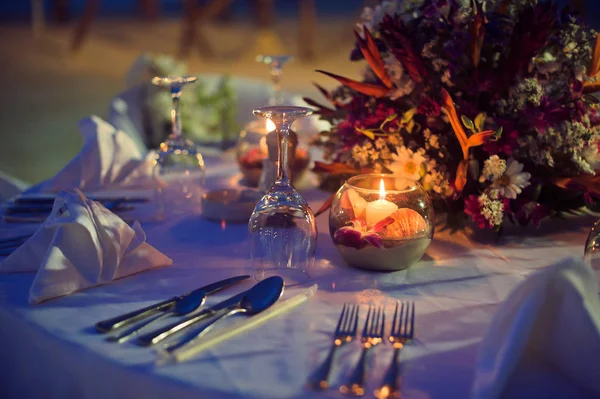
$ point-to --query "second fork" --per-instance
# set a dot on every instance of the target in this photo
(403, 330)
(372, 335)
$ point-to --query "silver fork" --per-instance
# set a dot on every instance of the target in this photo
(345, 332)
(372, 335)
(403, 330)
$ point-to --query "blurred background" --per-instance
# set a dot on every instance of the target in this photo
(62, 60)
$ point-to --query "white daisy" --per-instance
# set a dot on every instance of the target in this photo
(407, 163)
(510, 184)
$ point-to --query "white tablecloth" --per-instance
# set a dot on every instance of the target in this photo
(52, 351)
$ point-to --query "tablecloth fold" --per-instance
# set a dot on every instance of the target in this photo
(547, 332)
(81, 245)
(108, 158)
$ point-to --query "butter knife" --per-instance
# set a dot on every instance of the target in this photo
(158, 335)
(137, 315)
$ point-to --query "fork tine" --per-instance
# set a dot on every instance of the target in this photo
(342, 319)
(374, 321)
(350, 319)
(406, 320)
(394, 330)
(412, 321)
(355, 319)
(382, 326)
(401, 319)
(366, 327)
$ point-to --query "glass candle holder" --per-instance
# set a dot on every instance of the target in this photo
(253, 150)
(381, 222)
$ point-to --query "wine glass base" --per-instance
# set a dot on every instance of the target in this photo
(291, 277)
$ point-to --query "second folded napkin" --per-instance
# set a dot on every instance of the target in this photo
(544, 340)
(109, 157)
(81, 245)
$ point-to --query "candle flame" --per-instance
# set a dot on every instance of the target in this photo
(381, 190)
(270, 125)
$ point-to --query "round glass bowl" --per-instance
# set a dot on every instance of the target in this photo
(252, 149)
(381, 222)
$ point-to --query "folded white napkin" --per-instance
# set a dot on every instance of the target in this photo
(108, 158)
(544, 341)
(81, 245)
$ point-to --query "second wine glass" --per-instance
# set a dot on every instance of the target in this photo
(282, 227)
(179, 169)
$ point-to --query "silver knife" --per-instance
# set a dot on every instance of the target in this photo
(158, 335)
(137, 315)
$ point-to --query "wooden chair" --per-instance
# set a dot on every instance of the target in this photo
(195, 15)
(149, 10)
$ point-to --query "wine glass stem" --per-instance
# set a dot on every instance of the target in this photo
(276, 79)
(282, 156)
(175, 115)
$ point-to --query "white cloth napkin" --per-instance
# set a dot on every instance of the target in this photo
(81, 245)
(108, 158)
(544, 341)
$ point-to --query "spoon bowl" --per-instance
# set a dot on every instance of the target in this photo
(184, 305)
(257, 299)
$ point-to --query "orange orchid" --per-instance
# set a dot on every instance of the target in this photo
(475, 140)
(593, 71)
(369, 49)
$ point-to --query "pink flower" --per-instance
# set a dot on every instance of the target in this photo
(429, 108)
(473, 209)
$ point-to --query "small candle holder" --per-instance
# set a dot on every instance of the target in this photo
(381, 222)
(253, 150)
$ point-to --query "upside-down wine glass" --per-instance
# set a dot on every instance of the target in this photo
(282, 227)
(275, 63)
(179, 168)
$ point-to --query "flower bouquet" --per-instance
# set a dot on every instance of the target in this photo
(488, 105)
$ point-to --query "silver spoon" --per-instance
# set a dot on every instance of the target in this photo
(255, 300)
(184, 306)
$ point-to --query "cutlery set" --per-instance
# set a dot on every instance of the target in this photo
(402, 332)
(255, 300)
(36, 209)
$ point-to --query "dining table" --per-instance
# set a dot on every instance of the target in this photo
(52, 349)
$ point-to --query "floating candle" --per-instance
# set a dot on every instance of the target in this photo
(381, 208)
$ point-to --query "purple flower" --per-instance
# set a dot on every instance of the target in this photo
(349, 237)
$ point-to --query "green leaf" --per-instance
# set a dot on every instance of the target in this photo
(468, 123)
(387, 120)
(367, 133)
(408, 115)
(498, 134)
(479, 121)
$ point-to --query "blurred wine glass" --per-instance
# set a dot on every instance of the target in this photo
(179, 168)
(276, 64)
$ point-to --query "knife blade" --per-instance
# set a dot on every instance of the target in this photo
(139, 314)
(50, 200)
(158, 335)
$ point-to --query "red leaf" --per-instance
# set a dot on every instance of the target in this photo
(369, 49)
(364, 88)
(321, 109)
(336, 168)
(391, 31)
(477, 30)
(326, 205)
